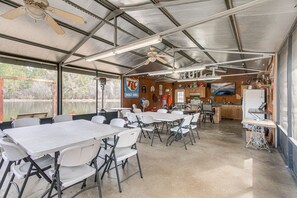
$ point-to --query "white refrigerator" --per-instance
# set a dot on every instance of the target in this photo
(252, 99)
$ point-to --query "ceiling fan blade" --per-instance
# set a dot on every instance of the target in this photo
(159, 5)
(161, 60)
(54, 25)
(164, 55)
(14, 13)
(66, 15)
(147, 62)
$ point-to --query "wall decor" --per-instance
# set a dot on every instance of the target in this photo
(160, 89)
(152, 88)
(131, 88)
(143, 89)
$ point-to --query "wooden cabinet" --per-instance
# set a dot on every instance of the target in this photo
(217, 116)
(243, 87)
(200, 90)
(231, 112)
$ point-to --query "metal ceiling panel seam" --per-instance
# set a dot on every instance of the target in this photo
(176, 23)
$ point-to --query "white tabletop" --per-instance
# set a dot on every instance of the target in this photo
(262, 123)
(48, 138)
(165, 117)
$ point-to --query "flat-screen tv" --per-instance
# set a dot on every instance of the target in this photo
(223, 89)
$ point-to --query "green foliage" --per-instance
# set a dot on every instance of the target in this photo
(75, 86)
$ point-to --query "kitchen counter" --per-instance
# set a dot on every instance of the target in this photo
(232, 112)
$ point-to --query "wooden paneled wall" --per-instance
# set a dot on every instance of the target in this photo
(235, 79)
(147, 82)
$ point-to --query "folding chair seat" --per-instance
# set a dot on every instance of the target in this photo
(179, 132)
(62, 118)
(149, 125)
(73, 167)
(14, 154)
(124, 149)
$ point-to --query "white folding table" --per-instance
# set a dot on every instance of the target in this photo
(164, 117)
(52, 138)
(49, 138)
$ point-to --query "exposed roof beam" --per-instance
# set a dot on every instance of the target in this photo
(195, 68)
(159, 5)
(106, 21)
(232, 18)
(177, 24)
(224, 51)
(219, 15)
(188, 25)
(53, 49)
(49, 63)
(70, 27)
(142, 27)
(109, 16)
(26, 58)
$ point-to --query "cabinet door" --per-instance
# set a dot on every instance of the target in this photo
(187, 93)
(202, 92)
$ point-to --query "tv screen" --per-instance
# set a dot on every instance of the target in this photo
(222, 89)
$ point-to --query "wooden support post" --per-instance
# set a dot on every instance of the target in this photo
(1, 99)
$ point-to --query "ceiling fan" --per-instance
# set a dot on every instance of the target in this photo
(153, 56)
(38, 10)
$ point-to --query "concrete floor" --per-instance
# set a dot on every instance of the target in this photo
(218, 165)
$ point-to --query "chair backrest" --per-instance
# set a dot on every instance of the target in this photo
(62, 118)
(177, 112)
(118, 122)
(128, 138)
(124, 112)
(147, 119)
(136, 110)
(195, 117)
(13, 151)
(98, 119)
(23, 122)
(132, 117)
(187, 121)
(206, 107)
(1, 134)
(162, 111)
(79, 155)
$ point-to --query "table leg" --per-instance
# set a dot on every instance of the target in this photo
(257, 139)
(39, 170)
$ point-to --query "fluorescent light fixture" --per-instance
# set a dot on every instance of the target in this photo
(160, 73)
(200, 79)
(100, 55)
(139, 44)
(126, 48)
(190, 69)
(209, 78)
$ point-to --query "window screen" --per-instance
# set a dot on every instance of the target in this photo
(283, 83)
(294, 85)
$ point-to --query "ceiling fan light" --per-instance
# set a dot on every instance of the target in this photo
(35, 13)
(152, 59)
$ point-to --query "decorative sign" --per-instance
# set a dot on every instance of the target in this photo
(160, 89)
(131, 88)
(191, 75)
